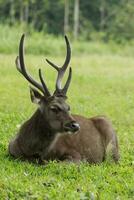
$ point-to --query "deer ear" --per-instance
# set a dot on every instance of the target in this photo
(35, 95)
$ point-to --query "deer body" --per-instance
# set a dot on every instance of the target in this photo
(52, 132)
(89, 144)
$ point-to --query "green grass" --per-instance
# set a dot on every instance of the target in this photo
(101, 84)
(41, 43)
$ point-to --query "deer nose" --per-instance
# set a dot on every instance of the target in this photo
(75, 126)
(72, 126)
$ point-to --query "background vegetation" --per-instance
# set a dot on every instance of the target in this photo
(101, 34)
(99, 19)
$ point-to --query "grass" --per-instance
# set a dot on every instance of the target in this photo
(41, 43)
(101, 84)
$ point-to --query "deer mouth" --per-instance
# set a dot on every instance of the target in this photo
(72, 127)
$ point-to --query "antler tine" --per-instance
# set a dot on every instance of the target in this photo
(61, 70)
(22, 69)
(52, 64)
(43, 83)
(64, 90)
(68, 55)
(17, 62)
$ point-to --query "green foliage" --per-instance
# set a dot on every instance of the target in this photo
(101, 84)
(121, 28)
(113, 18)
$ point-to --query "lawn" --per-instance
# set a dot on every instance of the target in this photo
(101, 84)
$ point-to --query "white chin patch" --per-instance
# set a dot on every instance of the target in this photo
(71, 133)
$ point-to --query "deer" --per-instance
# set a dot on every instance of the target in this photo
(52, 132)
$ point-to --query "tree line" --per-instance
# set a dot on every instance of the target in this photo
(98, 19)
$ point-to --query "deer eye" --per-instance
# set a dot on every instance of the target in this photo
(55, 109)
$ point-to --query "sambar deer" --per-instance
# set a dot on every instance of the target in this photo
(52, 133)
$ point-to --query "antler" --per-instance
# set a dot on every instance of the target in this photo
(61, 71)
(22, 69)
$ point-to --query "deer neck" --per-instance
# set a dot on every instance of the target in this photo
(41, 126)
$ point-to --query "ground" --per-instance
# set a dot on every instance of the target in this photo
(101, 85)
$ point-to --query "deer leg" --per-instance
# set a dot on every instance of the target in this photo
(71, 156)
(14, 149)
(115, 149)
(109, 137)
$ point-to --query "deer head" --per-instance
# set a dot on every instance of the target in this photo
(54, 109)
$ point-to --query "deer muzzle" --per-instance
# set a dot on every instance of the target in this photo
(72, 126)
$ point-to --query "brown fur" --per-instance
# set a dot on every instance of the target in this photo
(52, 133)
(88, 144)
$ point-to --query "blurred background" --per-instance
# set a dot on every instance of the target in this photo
(106, 24)
(101, 35)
